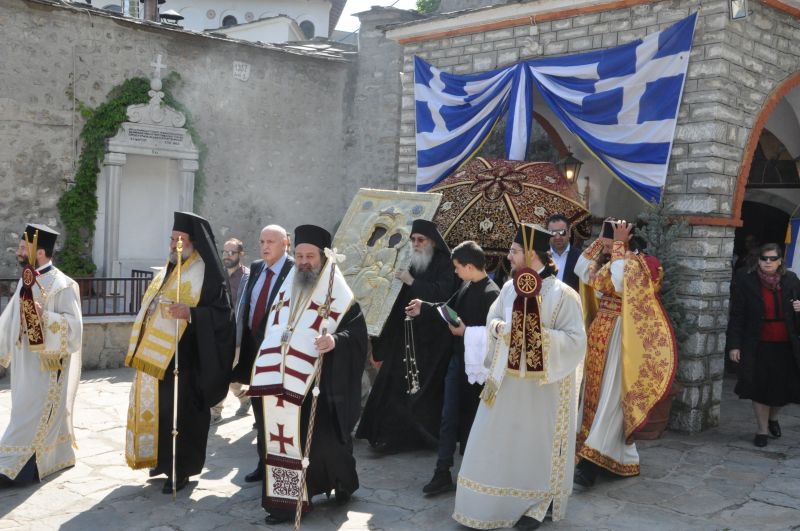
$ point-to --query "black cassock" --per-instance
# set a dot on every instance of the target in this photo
(205, 352)
(331, 462)
(391, 415)
(471, 302)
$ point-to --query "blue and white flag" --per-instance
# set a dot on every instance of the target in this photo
(622, 103)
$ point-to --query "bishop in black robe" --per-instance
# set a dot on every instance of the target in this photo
(393, 419)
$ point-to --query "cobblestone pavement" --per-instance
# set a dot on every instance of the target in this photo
(715, 480)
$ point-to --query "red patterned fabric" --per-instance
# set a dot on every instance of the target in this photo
(486, 199)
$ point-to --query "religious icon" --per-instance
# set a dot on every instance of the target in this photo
(374, 236)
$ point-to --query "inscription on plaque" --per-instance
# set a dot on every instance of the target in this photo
(241, 71)
(149, 136)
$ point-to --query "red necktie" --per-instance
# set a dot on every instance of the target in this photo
(261, 304)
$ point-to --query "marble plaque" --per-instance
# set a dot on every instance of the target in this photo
(374, 236)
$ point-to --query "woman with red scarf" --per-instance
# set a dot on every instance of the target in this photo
(763, 338)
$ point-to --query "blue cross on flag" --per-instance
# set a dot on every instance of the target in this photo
(622, 103)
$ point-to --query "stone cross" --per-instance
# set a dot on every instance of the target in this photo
(158, 66)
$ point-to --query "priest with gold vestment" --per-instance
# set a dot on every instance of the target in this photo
(518, 461)
(196, 324)
(631, 359)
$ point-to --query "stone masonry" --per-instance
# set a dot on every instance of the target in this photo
(733, 68)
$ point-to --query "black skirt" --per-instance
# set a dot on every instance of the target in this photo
(772, 377)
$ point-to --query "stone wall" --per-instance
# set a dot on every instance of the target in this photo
(373, 103)
(276, 143)
(734, 65)
(105, 342)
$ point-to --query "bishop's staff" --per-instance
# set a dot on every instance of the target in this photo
(334, 258)
(179, 252)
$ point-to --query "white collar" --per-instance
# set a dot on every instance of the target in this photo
(50, 263)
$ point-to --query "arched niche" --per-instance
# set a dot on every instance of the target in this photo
(148, 172)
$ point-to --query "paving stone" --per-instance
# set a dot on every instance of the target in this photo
(713, 480)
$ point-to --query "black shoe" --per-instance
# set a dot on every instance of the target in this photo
(442, 481)
(153, 472)
(255, 475)
(342, 495)
(182, 482)
(585, 473)
(774, 428)
(384, 448)
(278, 517)
(526, 523)
(760, 440)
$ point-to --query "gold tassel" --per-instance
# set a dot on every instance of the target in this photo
(489, 392)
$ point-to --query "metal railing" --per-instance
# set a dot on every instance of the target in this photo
(99, 296)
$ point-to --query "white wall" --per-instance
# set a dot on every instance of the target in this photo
(196, 12)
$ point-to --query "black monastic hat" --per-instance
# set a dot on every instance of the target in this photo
(312, 234)
(430, 231)
(46, 239)
(185, 222)
(199, 230)
(535, 236)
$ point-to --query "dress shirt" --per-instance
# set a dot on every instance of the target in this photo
(276, 270)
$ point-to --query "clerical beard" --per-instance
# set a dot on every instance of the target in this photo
(420, 260)
(305, 276)
(173, 256)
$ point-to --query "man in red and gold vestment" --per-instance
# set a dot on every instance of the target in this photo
(631, 358)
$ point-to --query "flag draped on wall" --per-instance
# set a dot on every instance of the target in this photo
(622, 104)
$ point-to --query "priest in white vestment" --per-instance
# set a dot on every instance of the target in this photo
(519, 458)
(40, 339)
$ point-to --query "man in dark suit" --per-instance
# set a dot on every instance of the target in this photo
(564, 255)
(266, 277)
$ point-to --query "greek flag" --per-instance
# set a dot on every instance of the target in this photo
(622, 104)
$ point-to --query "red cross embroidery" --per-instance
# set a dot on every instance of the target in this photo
(280, 403)
(278, 306)
(282, 440)
(317, 324)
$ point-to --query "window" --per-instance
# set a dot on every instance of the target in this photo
(307, 27)
(229, 21)
(116, 8)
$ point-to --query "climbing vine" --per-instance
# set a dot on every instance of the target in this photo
(77, 207)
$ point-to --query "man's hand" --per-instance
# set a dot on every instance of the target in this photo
(735, 355)
(404, 276)
(414, 308)
(457, 330)
(38, 308)
(178, 311)
(622, 231)
(796, 305)
(325, 343)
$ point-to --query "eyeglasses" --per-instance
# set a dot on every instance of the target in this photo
(769, 258)
(230, 253)
(559, 232)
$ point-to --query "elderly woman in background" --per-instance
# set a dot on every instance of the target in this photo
(763, 338)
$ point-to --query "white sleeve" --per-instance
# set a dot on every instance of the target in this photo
(474, 354)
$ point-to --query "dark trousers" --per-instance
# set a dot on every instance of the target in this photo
(448, 428)
(258, 411)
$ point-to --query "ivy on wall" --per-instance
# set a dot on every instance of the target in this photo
(77, 207)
